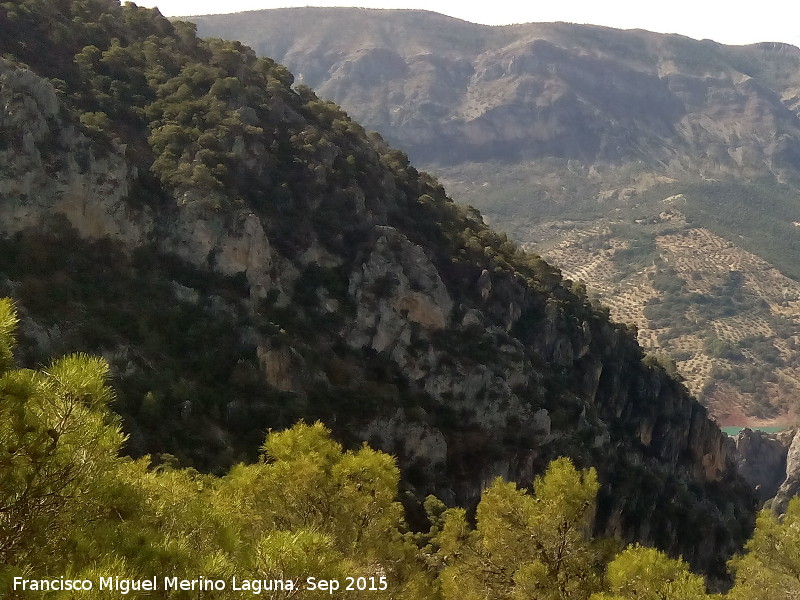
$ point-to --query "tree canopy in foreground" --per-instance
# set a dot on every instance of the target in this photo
(72, 508)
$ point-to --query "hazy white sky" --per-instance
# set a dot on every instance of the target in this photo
(728, 22)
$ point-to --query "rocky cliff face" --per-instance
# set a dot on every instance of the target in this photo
(449, 92)
(344, 286)
(790, 487)
(761, 459)
(599, 148)
(771, 463)
(49, 167)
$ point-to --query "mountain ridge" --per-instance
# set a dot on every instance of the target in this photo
(245, 256)
(517, 51)
(544, 127)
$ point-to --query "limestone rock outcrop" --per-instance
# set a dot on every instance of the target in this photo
(770, 462)
(790, 487)
(761, 459)
(453, 92)
(348, 288)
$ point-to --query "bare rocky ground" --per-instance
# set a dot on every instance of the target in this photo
(702, 261)
(547, 123)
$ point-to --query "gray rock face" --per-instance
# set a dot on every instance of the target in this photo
(791, 484)
(89, 191)
(770, 462)
(396, 289)
(761, 459)
(448, 91)
(474, 368)
(229, 244)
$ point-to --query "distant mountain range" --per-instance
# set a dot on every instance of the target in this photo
(627, 158)
(244, 256)
(451, 92)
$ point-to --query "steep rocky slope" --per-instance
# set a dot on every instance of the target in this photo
(577, 138)
(451, 91)
(246, 256)
(724, 315)
(770, 462)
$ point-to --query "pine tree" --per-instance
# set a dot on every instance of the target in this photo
(57, 441)
(525, 546)
(771, 568)
(640, 573)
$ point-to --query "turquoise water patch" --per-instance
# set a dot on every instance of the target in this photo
(734, 431)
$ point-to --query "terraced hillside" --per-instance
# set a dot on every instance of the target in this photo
(569, 138)
(727, 318)
(245, 256)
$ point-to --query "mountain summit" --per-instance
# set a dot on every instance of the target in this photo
(245, 256)
(660, 170)
(449, 91)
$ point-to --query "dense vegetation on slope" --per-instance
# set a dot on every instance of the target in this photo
(245, 255)
(307, 511)
(576, 134)
(457, 93)
(221, 130)
(677, 266)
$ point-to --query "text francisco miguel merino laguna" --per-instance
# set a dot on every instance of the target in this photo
(254, 586)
